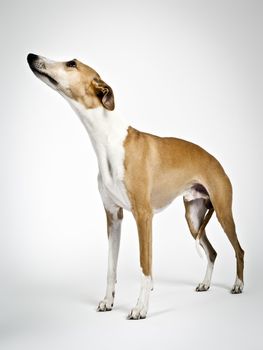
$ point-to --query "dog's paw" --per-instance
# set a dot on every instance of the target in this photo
(202, 287)
(137, 314)
(104, 305)
(238, 287)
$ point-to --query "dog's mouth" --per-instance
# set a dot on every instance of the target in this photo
(37, 72)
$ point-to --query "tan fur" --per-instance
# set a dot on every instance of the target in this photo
(168, 167)
(87, 88)
(81, 87)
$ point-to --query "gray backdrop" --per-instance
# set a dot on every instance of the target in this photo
(192, 69)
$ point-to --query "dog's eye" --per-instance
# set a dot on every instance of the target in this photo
(71, 64)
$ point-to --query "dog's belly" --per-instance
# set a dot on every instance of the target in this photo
(163, 195)
(167, 187)
(160, 200)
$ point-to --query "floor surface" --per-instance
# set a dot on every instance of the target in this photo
(63, 317)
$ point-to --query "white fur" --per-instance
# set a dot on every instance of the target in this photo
(191, 194)
(142, 305)
(107, 132)
(238, 286)
(209, 270)
(196, 211)
(46, 65)
(196, 216)
(114, 244)
(198, 248)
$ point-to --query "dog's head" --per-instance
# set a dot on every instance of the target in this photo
(74, 80)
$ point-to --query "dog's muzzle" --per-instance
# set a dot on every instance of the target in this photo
(38, 67)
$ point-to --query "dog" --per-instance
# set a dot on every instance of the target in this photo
(143, 173)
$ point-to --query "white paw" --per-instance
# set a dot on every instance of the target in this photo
(202, 287)
(137, 314)
(238, 287)
(105, 305)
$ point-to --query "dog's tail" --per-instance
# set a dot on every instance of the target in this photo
(201, 231)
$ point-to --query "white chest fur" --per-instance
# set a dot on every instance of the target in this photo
(107, 132)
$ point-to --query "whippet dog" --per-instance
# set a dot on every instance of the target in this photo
(143, 173)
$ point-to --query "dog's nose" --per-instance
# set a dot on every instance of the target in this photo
(31, 58)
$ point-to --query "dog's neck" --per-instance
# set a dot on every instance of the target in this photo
(107, 131)
(102, 125)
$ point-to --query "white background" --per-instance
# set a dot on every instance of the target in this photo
(191, 69)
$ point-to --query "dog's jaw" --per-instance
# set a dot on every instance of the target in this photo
(39, 67)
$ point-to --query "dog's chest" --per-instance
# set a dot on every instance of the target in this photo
(108, 133)
(111, 174)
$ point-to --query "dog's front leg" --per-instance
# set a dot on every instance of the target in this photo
(143, 217)
(114, 219)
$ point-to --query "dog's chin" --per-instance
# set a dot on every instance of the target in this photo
(45, 77)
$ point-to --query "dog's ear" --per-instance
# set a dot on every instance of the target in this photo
(104, 93)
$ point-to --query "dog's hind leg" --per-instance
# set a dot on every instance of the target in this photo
(224, 215)
(222, 202)
(195, 211)
(211, 256)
